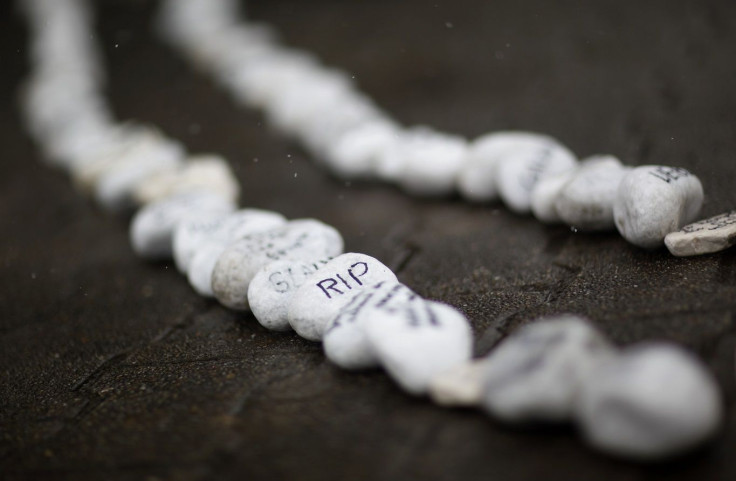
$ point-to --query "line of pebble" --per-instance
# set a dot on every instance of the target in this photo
(643, 402)
(346, 131)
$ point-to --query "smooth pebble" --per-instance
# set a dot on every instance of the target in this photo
(319, 300)
(191, 234)
(271, 290)
(419, 341)
(200, 173)
(241, 260)
(586, 200)
(654, 200)
(654, 400)
(153, 226)
(545, 194)
(536, 373)
(519, 169)
(476, 180)
(345, 342)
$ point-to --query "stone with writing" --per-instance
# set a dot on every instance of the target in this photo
(191, 234)
(271, 290)
(519, 169)
(655, 400)
(419, 341)
(242, 259)
(704, 237)
(153, 226)
(461, 386)
(476, 180)
(537, 372)
(319, 300)
(654, 200)
(586, 200)
(345, 342)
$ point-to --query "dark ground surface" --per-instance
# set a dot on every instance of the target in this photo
(111, 368)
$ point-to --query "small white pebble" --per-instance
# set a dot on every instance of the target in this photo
(241, 260)
(417, 342)
(476, 180)
(153, 226)
(201, 172)
(271, 290)
(586, 200)
(193, 233)
(653, 201)
(654, 400)
(536, 373)
(432, 163)
(704, 237)
(319, 300)
(545, 194)
(355, 153)
(345, 342)
(519, 170)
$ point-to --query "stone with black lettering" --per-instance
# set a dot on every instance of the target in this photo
(242, 259)
(191, 234)
(654, 400)
(586, 200)
(476, 180)
(419, 341)
(345, 342)
(271, 290)
(654, 200)
(519, 170)
(537, 372)
(153, 226)
(319, 300)
(704, 237)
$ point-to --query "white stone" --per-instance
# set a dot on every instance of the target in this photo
(519, 169)
(114, 189)
(319, 300)
(202, 265)
(143, 146)
(431, 164)
(241, 260)
(200, 173)
(191, 234)
(420, 341)
(704, 237)
(271, 290)
(391, 161)
(654, 200)
(545, 194)
(345, 342)
(356, 152)
(537, 372)
(461, 386)
(586, 201)
(654, 400)
(476, 180)
(153, 226)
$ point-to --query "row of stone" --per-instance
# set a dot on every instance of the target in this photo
(292, 274)
(644, 402)
(342, 127)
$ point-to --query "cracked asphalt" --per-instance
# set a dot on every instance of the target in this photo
(113, 368)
